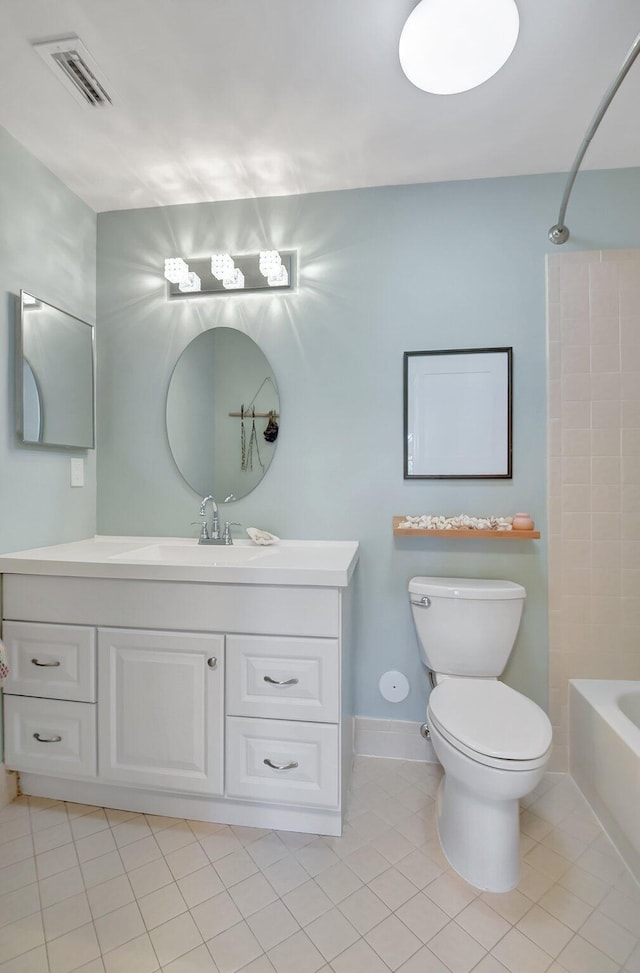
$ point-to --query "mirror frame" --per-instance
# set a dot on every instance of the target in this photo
(492, 404)
(20, 360)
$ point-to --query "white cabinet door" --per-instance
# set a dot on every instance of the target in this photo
(161, 709)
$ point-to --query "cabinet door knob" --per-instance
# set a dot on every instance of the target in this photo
(54, 739)
(212, 662)
(289, 766)
(36, 662)
(281, 682)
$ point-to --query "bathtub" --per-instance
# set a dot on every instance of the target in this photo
(604, 757)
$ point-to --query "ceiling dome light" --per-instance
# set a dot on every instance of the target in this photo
(448, 46)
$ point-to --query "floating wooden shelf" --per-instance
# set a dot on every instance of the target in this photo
(516, 535)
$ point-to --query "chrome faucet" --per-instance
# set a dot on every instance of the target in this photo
(210, 535)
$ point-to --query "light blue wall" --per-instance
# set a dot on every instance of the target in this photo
(48, 247)
(382, 271)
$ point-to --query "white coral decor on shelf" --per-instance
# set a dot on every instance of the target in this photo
(461, 522)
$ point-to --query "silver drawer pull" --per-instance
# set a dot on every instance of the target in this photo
(281, 682)
(36, 662)
(55, 739)
(289, 766)
(425, 602)
(212, 662)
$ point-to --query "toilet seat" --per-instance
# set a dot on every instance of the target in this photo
(491, 723)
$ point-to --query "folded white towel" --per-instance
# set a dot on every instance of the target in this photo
(4, 668)
(262, 537)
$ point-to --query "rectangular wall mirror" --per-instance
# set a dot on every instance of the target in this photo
(54, 377)
(458, 413)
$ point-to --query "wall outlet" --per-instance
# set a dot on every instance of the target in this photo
(77, 471)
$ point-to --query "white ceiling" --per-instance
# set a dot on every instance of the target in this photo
(223, 99)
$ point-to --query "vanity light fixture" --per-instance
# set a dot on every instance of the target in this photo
(225, 273)
(449, 46)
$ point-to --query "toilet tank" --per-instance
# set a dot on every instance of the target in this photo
(466, 626)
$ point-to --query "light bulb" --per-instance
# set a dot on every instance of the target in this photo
(448, 46)
(280, 277)
(270, 262)
(235, 280)
(221, 265)
(189, 283)
(175, 269)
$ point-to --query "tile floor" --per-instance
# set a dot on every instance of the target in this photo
(100, 891)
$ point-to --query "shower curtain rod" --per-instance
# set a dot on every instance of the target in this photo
(560, 233)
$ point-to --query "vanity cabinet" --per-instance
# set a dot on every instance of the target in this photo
(161, 709)
(218, 702)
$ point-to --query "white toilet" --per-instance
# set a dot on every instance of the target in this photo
(492, 741)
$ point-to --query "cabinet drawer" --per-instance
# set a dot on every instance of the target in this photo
(50, 736)
(283, 678)
(55, 661)
(282, 762)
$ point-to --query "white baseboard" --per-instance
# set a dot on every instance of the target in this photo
(8, 786)
(392, 738)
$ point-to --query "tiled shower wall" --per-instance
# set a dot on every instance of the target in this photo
(593, 320)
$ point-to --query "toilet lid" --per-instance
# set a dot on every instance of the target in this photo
(489, 718)
(473, 589)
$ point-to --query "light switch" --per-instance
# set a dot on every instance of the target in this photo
(77, 471)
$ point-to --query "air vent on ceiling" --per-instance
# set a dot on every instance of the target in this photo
(74, 66)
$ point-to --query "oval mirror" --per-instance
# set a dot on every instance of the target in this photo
(217, 449)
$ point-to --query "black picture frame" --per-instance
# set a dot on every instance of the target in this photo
(458, 414)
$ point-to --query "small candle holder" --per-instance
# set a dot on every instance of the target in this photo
(522, 522)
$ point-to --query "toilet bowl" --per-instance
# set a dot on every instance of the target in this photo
(493, 742)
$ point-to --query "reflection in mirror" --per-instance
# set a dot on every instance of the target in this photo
(54, 377)
(31, 405)
(217, 449)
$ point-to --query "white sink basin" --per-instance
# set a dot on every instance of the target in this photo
(194, 553)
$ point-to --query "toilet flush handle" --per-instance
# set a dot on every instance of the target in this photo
(424, 602)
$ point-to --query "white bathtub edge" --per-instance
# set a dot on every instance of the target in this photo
(604, 762)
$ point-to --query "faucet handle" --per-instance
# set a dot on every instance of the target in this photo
(204, 530)
(228, 524)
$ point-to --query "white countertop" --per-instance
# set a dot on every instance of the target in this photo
(315, 563)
